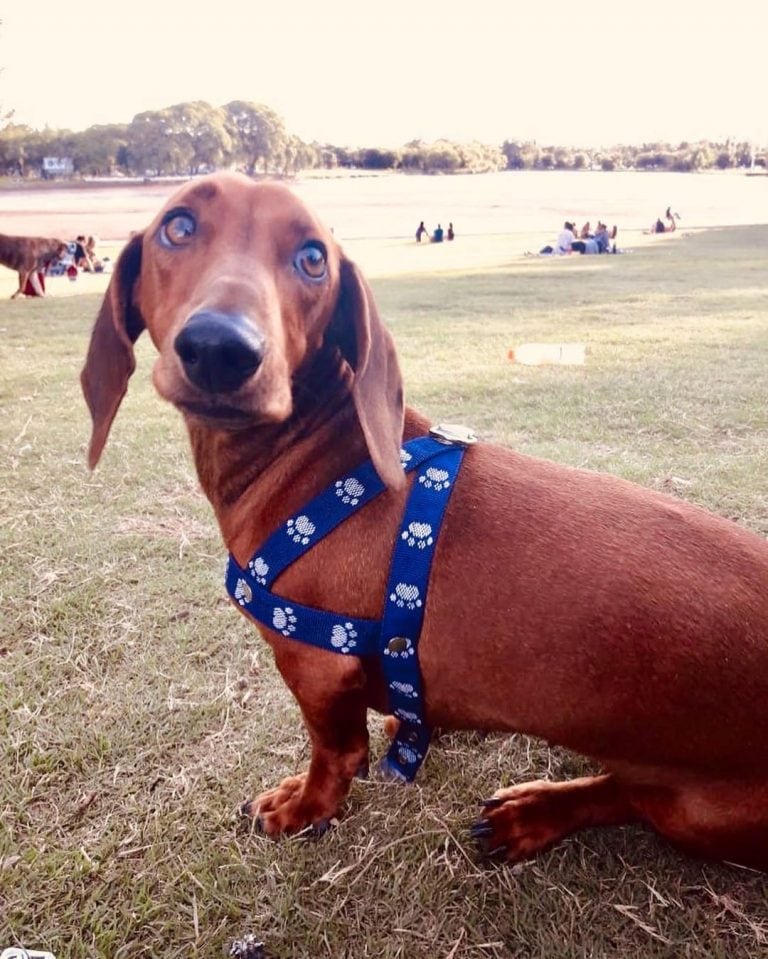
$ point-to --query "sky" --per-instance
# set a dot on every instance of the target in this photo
(582, 73)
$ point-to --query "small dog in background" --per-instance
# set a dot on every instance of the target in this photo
(28, 255)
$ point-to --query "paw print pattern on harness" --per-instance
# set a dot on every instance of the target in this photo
(350, 490)
(405, 595)
(408, 755)
(300, 529)
(434, 478)
(343, 637)
(418, 534)
(408, 717)
(283, 620)
(243, 592)
(259, 568)
(400, 647)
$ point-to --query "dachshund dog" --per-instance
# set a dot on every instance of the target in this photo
(613, 620)
(28, 254)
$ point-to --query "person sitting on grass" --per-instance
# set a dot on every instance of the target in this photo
(669, 227)
(599, 243)
(563, 243)
(82, 259)
(90, 252)
(603, 238)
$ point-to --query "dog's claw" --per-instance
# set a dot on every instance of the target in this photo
(497, 851)
(248, 821)
(322, 827)
(480, 829)
(491, 803)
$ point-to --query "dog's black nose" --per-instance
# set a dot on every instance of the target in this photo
(219, 351)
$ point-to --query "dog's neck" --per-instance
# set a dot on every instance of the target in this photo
(257, 477)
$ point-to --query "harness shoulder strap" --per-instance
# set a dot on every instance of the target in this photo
(405, 605)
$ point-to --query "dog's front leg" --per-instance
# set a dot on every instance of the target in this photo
(22, 283)
(330, 689)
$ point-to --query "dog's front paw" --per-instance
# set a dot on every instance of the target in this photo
(288, 809)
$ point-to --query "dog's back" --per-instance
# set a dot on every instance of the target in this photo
(23, 253)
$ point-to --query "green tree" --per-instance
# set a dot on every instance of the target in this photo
(513, 154)
(97, 150)
(14, 146)
(298, 155)
(327, 158)
(184, 138)
(258, 134)
(724, 160)
(441, 157)
(479, 157)
(412, 156)
(150, 149)
(200, 133)
(375, 158)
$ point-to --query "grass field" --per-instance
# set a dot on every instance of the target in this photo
(137, 710)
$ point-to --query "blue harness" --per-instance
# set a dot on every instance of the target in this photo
(395, 638)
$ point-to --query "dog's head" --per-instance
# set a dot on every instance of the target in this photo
(51, 251)
(238, 284)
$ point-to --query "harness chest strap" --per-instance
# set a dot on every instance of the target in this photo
(395, 637)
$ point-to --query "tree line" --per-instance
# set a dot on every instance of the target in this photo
(683, 158)
(195, 137)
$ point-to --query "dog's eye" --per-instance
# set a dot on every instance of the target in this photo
(311, 261)
(177, 229)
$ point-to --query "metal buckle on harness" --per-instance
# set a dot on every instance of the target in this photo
(453, 434)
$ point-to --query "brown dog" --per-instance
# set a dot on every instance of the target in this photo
(28, 254)
(623, 624)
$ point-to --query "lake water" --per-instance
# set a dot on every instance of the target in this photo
(390, 206)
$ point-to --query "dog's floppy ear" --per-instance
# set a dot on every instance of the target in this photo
(110, 361)
(377, 388)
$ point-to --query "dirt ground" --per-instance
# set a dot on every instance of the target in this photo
(109, 212)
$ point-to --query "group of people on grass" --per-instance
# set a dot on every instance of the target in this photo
(601, 240)
(438, 235)
(587, 241)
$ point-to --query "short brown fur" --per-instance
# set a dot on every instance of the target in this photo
(621, 623)
(26, 254)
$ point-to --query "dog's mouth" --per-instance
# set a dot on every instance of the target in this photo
(218, 414)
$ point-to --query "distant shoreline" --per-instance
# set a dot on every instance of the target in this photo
(21, 184)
